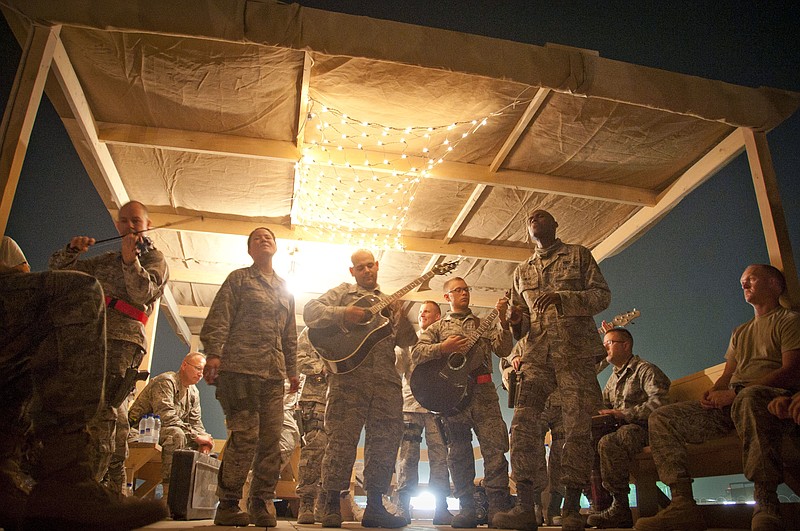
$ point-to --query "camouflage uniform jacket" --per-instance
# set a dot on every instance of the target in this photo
(404, 368)
(251, 326)
(428, 347)
(636, 389)
(328, 310)
(176, 404)
(570, 271)
(139, 284)
(315, 384)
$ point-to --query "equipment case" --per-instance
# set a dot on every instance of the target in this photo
(193, 486)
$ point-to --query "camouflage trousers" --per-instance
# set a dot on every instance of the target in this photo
(313, 450)
(761, 433)
(549, 476)
(109, 428)
(376, 406)
(576, 380)
(172, 438)
(617, 451)
(52, 358)
(408, 458)
(482, 415)
(253, 410)
(673, 426)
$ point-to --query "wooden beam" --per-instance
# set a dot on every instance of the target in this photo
(696, 175)
(522, 124)
(231, 145)
(773, 219)
(302, 103)
(299, 233)
(21, 109)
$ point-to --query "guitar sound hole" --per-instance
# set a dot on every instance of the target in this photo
(456, 361)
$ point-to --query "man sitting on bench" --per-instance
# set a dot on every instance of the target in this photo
(762, 362)
(174, 397)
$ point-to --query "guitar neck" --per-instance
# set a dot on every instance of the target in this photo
(473, 337)
(397, 295)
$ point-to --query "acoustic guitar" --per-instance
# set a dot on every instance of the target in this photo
(444, 385)
(344, 348)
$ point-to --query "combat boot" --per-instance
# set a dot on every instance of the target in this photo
(262, 513)
(404, 505)
(682, 513)
(229, 513)
(617, 516)
(332, 514)
(68, 497)
(376, 515)
(467, 517)
(522, 515)
(319, 504)
(767, 514)
(499, 501)
(553, 509)
(571, 517)
(305, 514)
(442, 516)
(14, 493)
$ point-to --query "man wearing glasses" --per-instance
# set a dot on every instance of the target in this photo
(482, 412)
(173, 396)
(554, 296)
(634, 390)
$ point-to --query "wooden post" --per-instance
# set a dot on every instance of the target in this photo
(21, 109)
(773, 219)
(150, 341)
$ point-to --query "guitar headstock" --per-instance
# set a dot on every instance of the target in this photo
(443, 269)
(625, 318)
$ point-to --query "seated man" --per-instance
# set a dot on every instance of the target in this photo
(762, 362)
(52, 361)
(174, 397)
(634, 390)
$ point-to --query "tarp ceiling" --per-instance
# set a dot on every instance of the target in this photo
(340, 132)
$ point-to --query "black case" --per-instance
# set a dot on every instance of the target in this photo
(193, 486)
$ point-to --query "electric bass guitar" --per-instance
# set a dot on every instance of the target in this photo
(344, 348)
(444, 385)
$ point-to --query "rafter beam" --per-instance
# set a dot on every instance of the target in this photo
(21, 108)
(230, 145)
(216, 225)
(697, 174)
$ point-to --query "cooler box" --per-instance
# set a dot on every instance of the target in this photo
(193, 486)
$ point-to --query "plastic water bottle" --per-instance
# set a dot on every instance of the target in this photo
(142, 427)
(148, 428)
(128, 489)
(156, 428)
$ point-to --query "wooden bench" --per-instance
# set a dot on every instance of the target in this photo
(717, 457)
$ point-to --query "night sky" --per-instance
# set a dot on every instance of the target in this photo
(683, 274)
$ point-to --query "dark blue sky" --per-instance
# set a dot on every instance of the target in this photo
(683, 274)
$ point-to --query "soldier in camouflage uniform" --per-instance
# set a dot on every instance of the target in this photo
(554, 296)
(482, 413)
(549, 476)
(634, 390)
(250, 341)
(369, 397)
(52, 357)
(174, 397)
(133, 279)
(312, 407)
(416, 420)
(762, 363)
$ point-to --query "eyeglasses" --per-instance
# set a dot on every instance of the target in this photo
(460, 290)
(609, 342)
(195, 367)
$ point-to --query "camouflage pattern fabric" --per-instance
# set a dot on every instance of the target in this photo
(51, 324)
(251, 326)
(617, 451)
(254, 415)
(369, 397)
(315, 439)
(408, 458)
(482, 414)
(636, 389)
(560, 352)
(551, 420)
(178, 407)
